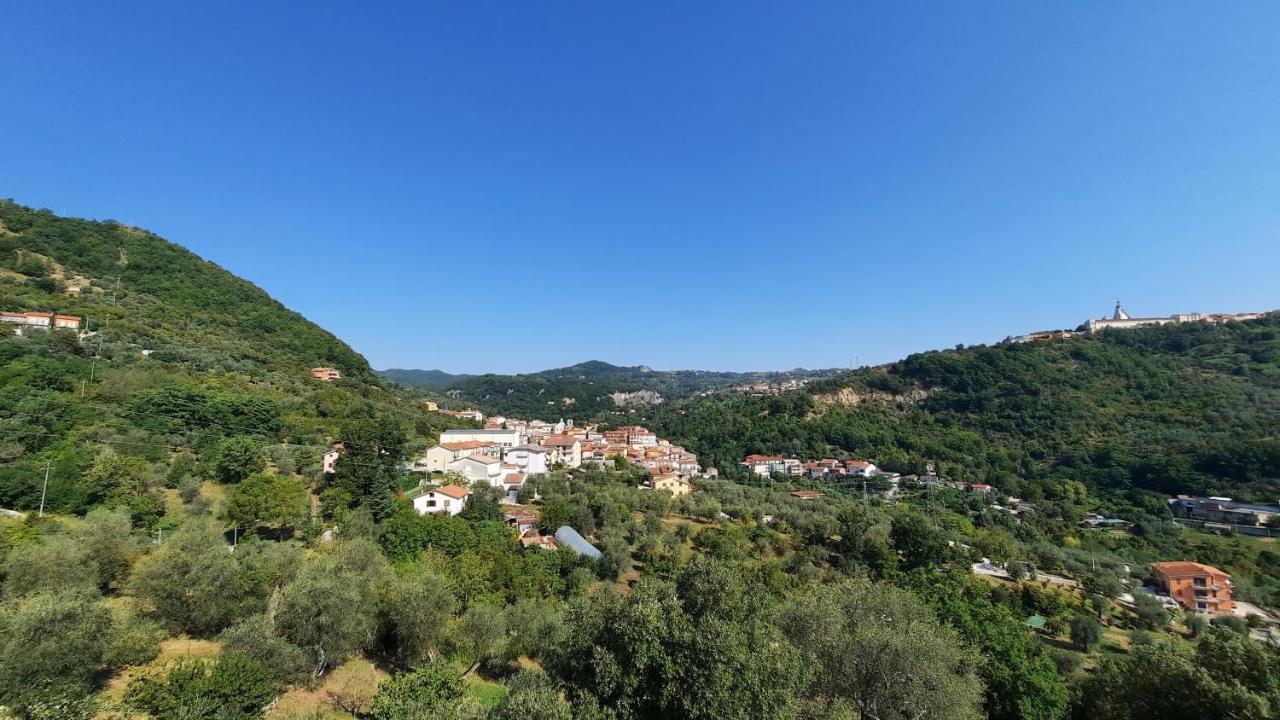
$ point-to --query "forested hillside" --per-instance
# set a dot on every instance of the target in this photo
(1178, 408)
(194, 561)
(158, 296)
(584, 390)
(425, 379)
(182, 364)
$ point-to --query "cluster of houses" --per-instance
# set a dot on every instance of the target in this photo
(766, 465)
(507, 451)
(769, 388)
(933, 481)
(43, 320)
(1222, 510)
(1121, 320)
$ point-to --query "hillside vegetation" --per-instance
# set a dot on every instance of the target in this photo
(194, 562)
(426, 379)
(584, 390)
(169, 300)
(1178, 408)
(227, 365)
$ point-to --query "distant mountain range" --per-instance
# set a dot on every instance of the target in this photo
(426, 379)
(583, 390)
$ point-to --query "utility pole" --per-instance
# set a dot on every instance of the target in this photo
(45, 491)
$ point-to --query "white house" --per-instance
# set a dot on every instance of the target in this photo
(478, 468)
(765, 465)
(502, 437)
(438, 457)
(330, 460)
(565, 450)
(860, 468)
(531, 459)
(449, 499)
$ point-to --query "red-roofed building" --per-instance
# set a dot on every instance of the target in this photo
(807, 494)
(1198, 588)
(565, 450)
(438, 457)
(764, 464)
(449, 499)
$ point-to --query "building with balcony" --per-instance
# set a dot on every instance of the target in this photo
(1196, 587)
(326, 374)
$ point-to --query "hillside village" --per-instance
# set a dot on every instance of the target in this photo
(508, 452)
(1121, 320)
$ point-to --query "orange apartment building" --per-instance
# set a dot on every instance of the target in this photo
(326, 374)
(1196, 587)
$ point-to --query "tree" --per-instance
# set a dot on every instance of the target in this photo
(331, 609)
(704, 648)
(54, 564)
(255, 637)
(1022, 682)
(1150, 611)
(266, 499)
(107, 536)
(485, 629)
(1100, 604)
(555, 513)
(134, 639)
(920, 544)
(237, 458)
(52, 645)
(1162, 681)
(1086, 632)
(531, 696)
(367, 471)
(126, 482)
(1197, 624)
(193, 582)
(880, 649)
(422, 606)
(431, 691)
(479, 507)
(233, 687)
(534, 628)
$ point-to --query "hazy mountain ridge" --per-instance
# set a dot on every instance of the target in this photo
(584, 389)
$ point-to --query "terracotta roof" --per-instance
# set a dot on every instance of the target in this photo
(453, 491)
(467, 445)
(513, 479)
(807, 494)
(559, 441)
(1180, 568)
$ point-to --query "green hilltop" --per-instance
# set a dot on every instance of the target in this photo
(1174, 409)
(584, 390)
(178, 357)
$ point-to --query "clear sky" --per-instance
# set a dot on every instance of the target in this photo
(521, 185)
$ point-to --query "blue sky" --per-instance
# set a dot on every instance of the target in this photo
(507, 187)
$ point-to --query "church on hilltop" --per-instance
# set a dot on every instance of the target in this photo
(1120, 319)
